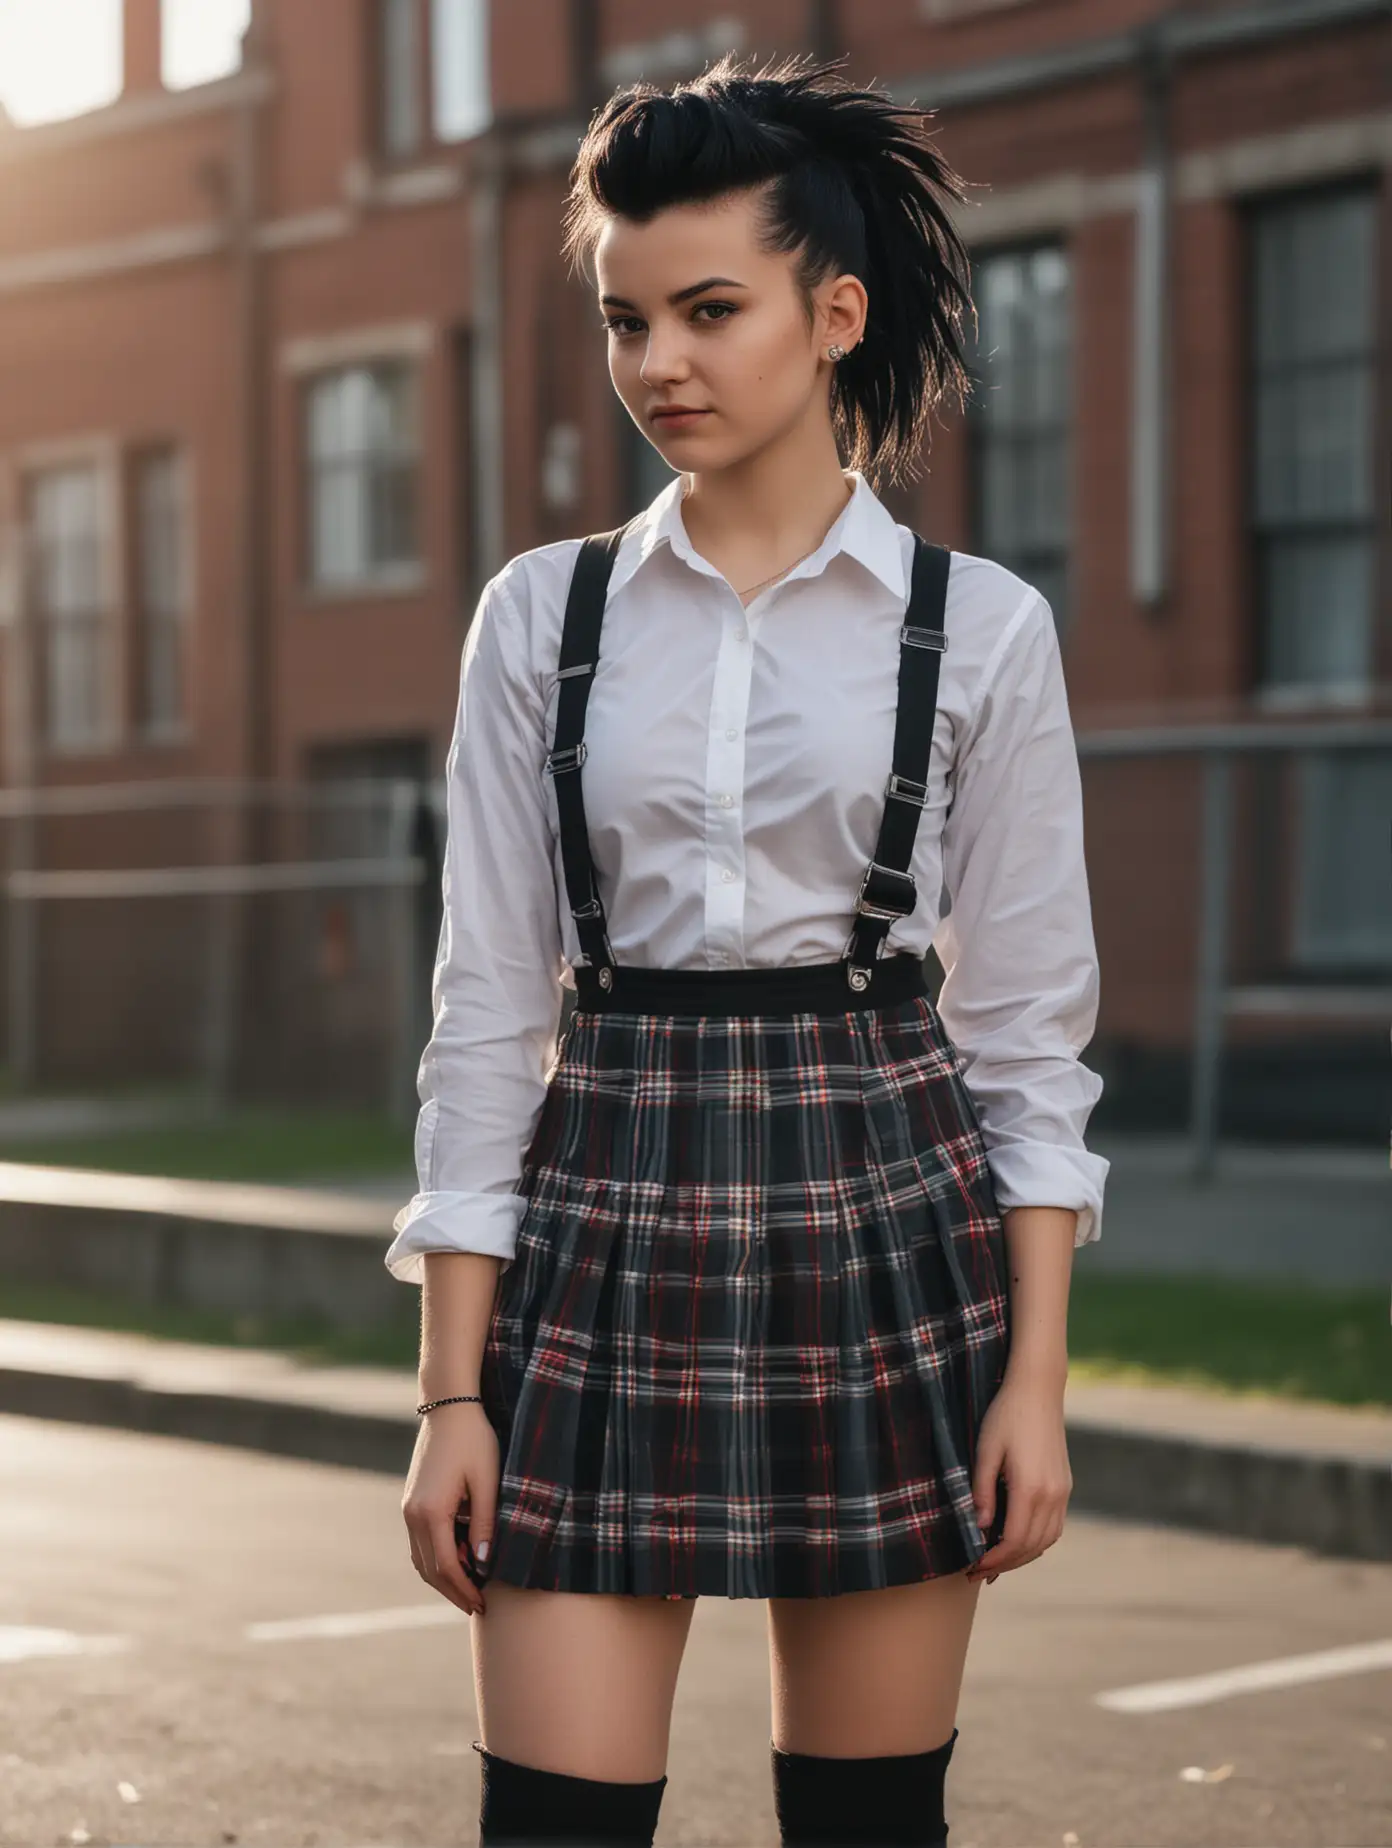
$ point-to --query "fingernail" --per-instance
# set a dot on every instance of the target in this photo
(481, 1552)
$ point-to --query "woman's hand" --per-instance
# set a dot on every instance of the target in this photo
(1022, 1438)
(454, 1472)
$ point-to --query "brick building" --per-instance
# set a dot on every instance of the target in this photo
(289, 365)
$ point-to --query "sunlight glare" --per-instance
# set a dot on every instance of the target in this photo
(202, 40)
(58, 57)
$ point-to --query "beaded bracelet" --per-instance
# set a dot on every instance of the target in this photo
(457, 1399)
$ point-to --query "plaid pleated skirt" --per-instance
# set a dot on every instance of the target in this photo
(757, 1312)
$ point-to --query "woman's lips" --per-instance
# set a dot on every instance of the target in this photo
(677, 420)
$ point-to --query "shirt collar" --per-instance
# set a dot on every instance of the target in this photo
(865, 529)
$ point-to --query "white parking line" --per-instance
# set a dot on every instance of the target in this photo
(355, 1623)
(1285, 1672)
(21, 1642)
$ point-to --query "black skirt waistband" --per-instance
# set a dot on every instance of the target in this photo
(808, 988)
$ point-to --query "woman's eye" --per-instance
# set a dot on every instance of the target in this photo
(723, 308)
(615, 324)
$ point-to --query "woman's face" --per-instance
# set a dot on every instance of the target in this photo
(699, 317)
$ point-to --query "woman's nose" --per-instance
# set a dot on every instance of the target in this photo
(663, 361)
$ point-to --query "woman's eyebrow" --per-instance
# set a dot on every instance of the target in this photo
(679, 295)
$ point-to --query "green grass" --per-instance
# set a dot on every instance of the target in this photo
(248, 1143)
(308, 1338)
(1272, 1338)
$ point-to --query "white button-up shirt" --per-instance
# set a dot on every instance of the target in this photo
(733, 790)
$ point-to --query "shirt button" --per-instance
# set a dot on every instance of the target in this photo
(741, 635)
(727, 802)
(727, 875)
(732, 733)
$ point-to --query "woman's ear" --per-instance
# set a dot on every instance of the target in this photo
(844, 306)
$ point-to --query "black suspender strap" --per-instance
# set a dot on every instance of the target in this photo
(579, 653)
(888, 891)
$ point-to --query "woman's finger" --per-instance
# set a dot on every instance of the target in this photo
(450, 1577)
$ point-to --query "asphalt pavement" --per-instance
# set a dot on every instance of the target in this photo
(205, 1645)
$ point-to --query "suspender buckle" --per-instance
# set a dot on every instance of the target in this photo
(569, 759)
(590, 909)
(889, 898)
(923, 638)
(906, 789)
(581, 667)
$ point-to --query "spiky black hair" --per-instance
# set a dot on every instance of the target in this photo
(850, 184)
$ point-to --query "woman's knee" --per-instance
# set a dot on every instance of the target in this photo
(579, 1682)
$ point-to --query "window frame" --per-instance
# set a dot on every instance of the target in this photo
(1285, 695)
(102, 456)
(977, 431)
(427, 142)
(398, 577)
(175, 728)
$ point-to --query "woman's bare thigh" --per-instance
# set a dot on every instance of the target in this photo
(869, 1672)
(580, 1682)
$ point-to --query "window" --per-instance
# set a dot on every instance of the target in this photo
(1344, 915)
(1019, 417)
(434, 80)
(162, 592)
(69, 536)
(59, 59)
(460, 67)
(402, 124)
(201, 40)
(1313, 280)
(364, 464)
(1313, 396)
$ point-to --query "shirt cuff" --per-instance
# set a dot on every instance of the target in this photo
(452, 1222)
(1045, 1174)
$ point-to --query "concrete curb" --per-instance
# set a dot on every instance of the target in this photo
(1290, 1475)
(279, 1427)
(1340, 1506)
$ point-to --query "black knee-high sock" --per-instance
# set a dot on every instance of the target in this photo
(893, 1800)
(524, 1805)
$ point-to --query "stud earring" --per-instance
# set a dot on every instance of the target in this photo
(836, 352)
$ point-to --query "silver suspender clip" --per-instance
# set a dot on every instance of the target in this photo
(906, 789)
(889, 912)
(923, 638)
(569, 759)
(568, 673)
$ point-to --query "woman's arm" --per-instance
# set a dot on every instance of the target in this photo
(1022, 1436)
(482, 1078)
(1039, 1243)
(1019, 998)
(1019, 1001)
(496, 987)
(456, 1306)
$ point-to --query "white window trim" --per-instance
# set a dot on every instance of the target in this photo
(101, 450)
(351, 346)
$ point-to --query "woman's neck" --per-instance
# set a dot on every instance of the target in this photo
(753, 523)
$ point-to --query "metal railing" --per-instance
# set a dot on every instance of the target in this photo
(1217, 747)
(374, 819)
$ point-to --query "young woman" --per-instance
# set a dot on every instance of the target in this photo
(781, 1249)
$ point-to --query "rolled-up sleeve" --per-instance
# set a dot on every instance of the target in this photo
(1017, 947)
(496, 986)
